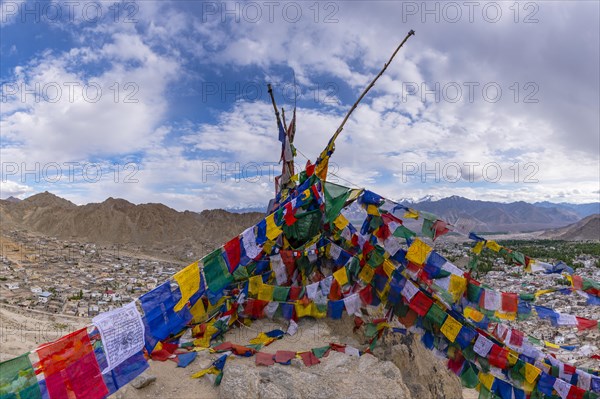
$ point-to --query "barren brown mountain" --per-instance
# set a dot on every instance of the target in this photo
(117, 221)
(586, 229)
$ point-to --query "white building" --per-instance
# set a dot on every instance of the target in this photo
(44, 296)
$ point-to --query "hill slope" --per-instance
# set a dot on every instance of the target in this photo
(586, 229)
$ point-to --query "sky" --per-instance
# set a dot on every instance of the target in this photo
(167, 101)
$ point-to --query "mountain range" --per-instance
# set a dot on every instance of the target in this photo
(189, 234)
(154, 226)
(489, 216)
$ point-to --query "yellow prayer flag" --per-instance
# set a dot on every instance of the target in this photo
(314, 312)
(418, 251)
(341, 222)
(304, 310)
(265, 292)
(383, 294)
(493, 245)
(366, 274)
(273, 231)
(551, 345)
(212, 308)
(268, 246)
(487, 380)
(354, 194)
(188, 280)
(542, 292)
(411, 214)
(341, 276)
(198, 311)
(478, 247)
(373, 210)
(528, 387)
(505, 316)
(531, 373)
(254, 284)
(388, 267)
(321, 168)
(451, 328)
(457, 286)
(204, 342)
(473, 314)
(262, 339)
(513, 356)
(210, 370)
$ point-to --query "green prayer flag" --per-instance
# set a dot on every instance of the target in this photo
(320, 352)
(240, 274)
(484, 364)
(484, 393)
(376, 221)
(403, 232)
(17, 379)
(335, 199)
(518, 257)
(436, 315)
(281, 294)
(468, 377)
(473, 262)
(216, 272)
(469, 353)
(517, 372)
(376, 258)
(305, 228)
(527, 297)
(353, 268)
(427, 230)
(371, 330)
(473, 293)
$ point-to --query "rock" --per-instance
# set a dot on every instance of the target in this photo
(143, 380)
(338, 375)
(426, 376)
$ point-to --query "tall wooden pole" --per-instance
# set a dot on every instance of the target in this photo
(364, 93)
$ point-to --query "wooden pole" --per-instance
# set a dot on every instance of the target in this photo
(364, 93)
(270, 89)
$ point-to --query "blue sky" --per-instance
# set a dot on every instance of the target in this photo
(167, 101)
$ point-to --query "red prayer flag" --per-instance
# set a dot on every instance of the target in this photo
(289, 217)
(383, 232)
(498, 357)
(577, 282)
(439, 228)
(335, 293)
(585, 324)
(71, 369)
(233, 249)
(455, 364)
(284, 356)
(309, 358)
(255, 307)
(569, 369)
(516, 338)
(295, 293)
(338, 347)
(420, 303)
(366, 295)
(510, 302)
(409, 319)
(575, 393)
(264, 359)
